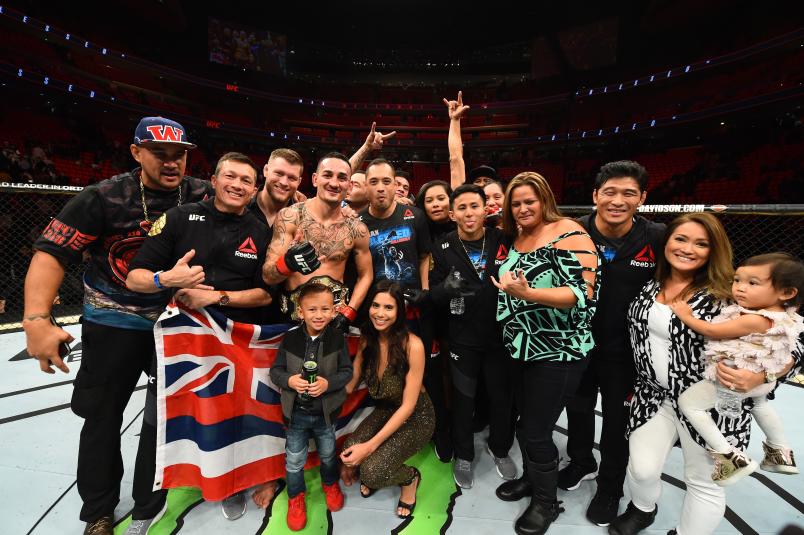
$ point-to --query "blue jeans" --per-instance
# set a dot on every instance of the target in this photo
(302, 427)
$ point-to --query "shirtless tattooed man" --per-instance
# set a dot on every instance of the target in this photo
(313, 240)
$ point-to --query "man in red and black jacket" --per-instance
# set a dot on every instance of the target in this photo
(109, 221)
(627, 245)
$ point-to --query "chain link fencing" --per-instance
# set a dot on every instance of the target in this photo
(752, 228)
(26, 209)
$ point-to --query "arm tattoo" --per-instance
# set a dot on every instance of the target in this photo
(280, 242)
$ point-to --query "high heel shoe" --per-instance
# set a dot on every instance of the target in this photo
(417, 477)
(369, 490)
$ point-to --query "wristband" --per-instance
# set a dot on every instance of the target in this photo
(156, 280)
(282, 267)
(348, 312)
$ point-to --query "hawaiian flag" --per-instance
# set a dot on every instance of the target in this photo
(219, 425)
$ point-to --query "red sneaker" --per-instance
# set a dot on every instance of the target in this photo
(297, 512)
(334, 496)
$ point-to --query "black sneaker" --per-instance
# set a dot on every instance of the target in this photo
(443, 448)
(603, 508)
(570, 477)
(632, 521)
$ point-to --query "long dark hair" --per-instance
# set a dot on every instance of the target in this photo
(437, 228)
(397, 335)
(423, 192)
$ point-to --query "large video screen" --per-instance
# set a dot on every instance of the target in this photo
(240, 46)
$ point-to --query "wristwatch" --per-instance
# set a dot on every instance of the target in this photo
(770, 377)
(224, 299)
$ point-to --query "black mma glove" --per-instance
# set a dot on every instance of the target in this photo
(301, 258)
(344, 318)
(455, 286)
(414, 296)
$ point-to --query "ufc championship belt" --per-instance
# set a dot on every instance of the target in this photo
(289, 300)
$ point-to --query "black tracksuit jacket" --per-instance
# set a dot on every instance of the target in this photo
(477, 327)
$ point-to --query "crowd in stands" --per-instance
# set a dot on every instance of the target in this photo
(29, 166)
(765, 173)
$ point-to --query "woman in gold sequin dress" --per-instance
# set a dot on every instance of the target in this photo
(391, 362)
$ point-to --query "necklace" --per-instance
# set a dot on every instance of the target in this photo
(480, 258)
(146, 225)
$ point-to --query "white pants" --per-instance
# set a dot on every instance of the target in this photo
(699, 399)
(649, 446)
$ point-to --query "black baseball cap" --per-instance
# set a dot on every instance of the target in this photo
(483, 170)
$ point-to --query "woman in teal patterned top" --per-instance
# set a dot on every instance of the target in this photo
(547, 298)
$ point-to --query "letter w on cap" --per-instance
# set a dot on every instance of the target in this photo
(165, 133)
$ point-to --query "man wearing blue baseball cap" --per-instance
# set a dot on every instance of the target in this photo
(109, 221)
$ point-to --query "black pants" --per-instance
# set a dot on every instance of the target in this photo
(421, 322)
(542, 391)
(111, 364)
(614, 378)
(493, 366)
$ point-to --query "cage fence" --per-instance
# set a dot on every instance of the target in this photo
(26, 209)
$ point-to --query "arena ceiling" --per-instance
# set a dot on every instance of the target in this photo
(574, 40)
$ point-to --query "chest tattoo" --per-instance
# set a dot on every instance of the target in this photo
(334, 241)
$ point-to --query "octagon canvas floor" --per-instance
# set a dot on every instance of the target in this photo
(39, 440)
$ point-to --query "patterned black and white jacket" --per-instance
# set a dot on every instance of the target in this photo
(685, 368)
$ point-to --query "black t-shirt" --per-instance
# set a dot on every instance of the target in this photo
(621, 279)
(477, 255)
(231, 249)
(439, 230)
(255, 209)
(397, 243)
(107, 221)
(606, 246)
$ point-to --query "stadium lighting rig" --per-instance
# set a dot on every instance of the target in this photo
(651, 78)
